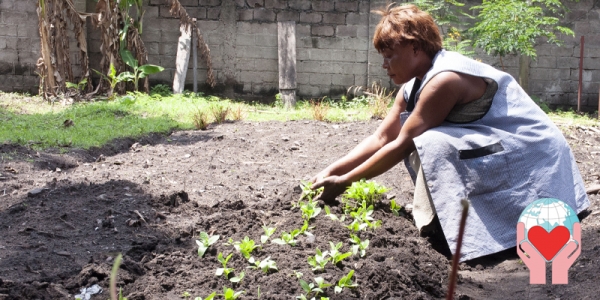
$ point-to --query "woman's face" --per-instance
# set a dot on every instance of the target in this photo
(400, 62)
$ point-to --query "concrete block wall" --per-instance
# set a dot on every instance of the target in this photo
(334, 48)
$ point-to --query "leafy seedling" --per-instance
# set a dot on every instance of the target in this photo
(307, 190)
(265, 265)
(332, 216)
(318, 261)
(287, 238)
(310, 209)
(362, 216)
(297, 274)
(335, 254)
(268, 233)
(345, 282)
(224, 270)
(316, 288)
(360, 246)
(245, 247)
(230, 294)
(305, 228)
(209, 297)
(360, 192)
(238, 278)
(204, 242)
(395, 208)
(186, 295)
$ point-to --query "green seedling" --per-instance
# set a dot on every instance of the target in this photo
(345, 282)
(318, 261)
(238, 278)
(335, 254)
(310, 209)
(362, 192)
(265, 265)
(230, 294)
(114, 79)
(245, 247)
(359, 246)
(357, 226)
(310, 288)
(297, 274)
(268, 233)
(224, 270)
(139, 72)
(186, 295)
(363, 216)
(304, 229)
(209, 297)
(308, 192)
(332, 216)
(204, 242)
(395, 208)
(287, 238)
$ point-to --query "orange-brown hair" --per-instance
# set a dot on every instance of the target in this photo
(407, 23)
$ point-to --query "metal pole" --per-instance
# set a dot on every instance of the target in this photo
(195, 53)
(580, 75)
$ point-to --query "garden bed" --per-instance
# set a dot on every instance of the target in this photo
(65, 217)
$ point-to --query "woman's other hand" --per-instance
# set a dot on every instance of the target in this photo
(333, 187)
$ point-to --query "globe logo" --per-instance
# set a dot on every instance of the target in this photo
(548, 225)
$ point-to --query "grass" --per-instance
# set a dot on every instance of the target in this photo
(33, 122)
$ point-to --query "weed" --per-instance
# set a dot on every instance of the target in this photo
(162, 90)
(219, 112)
(318, 261)
(200, 120)
(237, 113)
(345, 282)
(379, 98)
(204, 242)
(319, 110)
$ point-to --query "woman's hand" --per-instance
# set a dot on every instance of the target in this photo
(333, 187)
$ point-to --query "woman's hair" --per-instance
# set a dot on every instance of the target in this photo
(407, 23)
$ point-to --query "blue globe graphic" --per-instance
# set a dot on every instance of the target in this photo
(548, 213)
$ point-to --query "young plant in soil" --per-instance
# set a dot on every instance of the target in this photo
(308, 192)
(204, 242)
(360, 246)
(287, 238)
(363, 219)
(245, 246)
(316, 288)
(268, 233)
(230, 294)
(209, 297)
(318, 261)
(224, 270)
(345, 282)
(238, 278)
(310, 209)
(332, 216)
(265, 265)
(360, 192)
(335, 254)
(395, 208)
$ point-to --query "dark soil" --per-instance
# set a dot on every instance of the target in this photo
(65, 217)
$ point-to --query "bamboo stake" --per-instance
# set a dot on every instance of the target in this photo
(456, 257)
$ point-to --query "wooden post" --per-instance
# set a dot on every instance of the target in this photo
(580, 75)
(195, 55)
(183, 58)
(286, 42)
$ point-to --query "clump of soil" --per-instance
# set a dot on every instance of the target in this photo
(65, 217)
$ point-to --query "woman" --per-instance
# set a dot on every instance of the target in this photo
(465, 130)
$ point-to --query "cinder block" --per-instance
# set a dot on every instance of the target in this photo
(346, 6)
(544, 62)
(309, 66)
(189, 2)
(210, 2)
(329, 43)
(6, 67)
(319, 54)
(343, 55)
(322, 5)
(322, 30)
(6, 5)
(278, 4)
(288, 16)
(343, 80)
(197, 12)
(213, 13)
(9, 30)
(24, 6)
(310, 17)
(333, 18)
(320, 79)
(24, 44)
(240, 3)
(245, 15)
(360, 80)
(302, 54)
(567, 62)
(361, 56)
(346, 30)
(357, 19)
(267, 65)
(264, 15)
(302, 30)
(300, 4)
(242, 64)
(357, 44)
(22, 69)
(364, 7)
(308, 91)
(302, 78)
(245, 39)
(159, 2)
(266, 40)
(255, 3)
(206, 25)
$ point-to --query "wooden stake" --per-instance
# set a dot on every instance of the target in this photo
(456, 257)
(580, 75)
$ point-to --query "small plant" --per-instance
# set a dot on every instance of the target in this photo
(318, 261)
(310, 209)
(268, 233)
(360, 246)
(200, 119)
(305, 228)
(209, 297)
(287, 238)
(204, 242)
(362, 191)
(113, 79)
(316, 288)
(224, 270)
(395, 208)
(265, 265)
(139, 72)
(245, 246)
(237, 113)
(345, 282)
(297, 274)
(237, 279)
(162, 90)
(230, 294)
(77, 86)
(219, 112)
(332, 216)
(186, 295)
(363, 219)
(319, 110)
(335, 254)
(307, 190)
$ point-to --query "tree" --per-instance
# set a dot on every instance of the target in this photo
(514, 26)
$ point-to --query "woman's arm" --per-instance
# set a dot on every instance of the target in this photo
(386, 132)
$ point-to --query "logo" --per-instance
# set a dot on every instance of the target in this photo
(548, 231)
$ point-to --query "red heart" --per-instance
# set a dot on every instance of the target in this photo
(548, 244)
